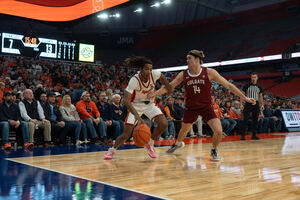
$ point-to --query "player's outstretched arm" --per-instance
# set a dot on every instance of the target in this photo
(214, 75)
(164, 81)
(174, 84)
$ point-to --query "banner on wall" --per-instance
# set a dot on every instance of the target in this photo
(49, 10)
(291, 118)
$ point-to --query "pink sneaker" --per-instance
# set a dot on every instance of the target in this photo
(151, 151)
(109, 155)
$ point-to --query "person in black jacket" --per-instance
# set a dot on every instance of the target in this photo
(59, 128)
(118, 110)
(32, 112)
(10, 118)
(106, 114)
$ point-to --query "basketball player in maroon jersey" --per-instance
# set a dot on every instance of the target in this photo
(197, 83)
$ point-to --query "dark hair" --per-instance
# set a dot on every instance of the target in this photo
(254, 73)
(137, 61)
(197, 54)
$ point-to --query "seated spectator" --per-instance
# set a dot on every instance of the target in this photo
(70, 116)
(236, 108)
(263, 123)
(174, 112)
(106, 114)
(58, 127)
(58, 99)
(170, 131)
(230, 116)
(269, 113)
(10, 118)
(43, 98)
(118, 111)
(225, 124)
(90, 115)
(33, 113)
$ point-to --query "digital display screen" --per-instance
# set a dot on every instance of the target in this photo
(26, 46)
(86, 52)
(38, 47)
(66, 50)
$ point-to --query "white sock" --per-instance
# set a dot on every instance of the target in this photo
(178, 143)
(151, 142)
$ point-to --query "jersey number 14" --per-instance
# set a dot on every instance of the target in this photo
(196, 89)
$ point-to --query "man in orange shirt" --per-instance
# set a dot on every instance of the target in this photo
(90, 115)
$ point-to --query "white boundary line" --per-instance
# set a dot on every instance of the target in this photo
(93, 180)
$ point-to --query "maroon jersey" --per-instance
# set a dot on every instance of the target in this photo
(197, 89)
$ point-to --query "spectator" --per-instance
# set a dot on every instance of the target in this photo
(225, 124)
(90, 115)
(170, 131)
(32, 112)
(58, 127)
(106, 114)
(70, 116)
(269, 114)
(10, 118)
(58, 99)
(43, 98)
(230, 116)
(118, 111)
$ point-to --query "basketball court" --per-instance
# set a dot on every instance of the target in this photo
(264, 169)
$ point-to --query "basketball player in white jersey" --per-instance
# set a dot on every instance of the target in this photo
(135, 99)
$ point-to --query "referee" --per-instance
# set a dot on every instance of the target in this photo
(252, 90)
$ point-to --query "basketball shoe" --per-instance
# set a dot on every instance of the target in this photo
(109, 154)
(215, 155)
(151, 151)
(175, 146)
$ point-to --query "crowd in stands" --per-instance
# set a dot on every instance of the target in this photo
(56, 100)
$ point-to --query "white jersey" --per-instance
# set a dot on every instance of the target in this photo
(139, 90)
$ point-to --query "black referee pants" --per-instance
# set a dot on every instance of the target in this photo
(254, 109)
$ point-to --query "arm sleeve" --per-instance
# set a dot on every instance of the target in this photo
(40, 110)
(76, 113)
(110, 112)
(156, 75)
(95, 109)
(82, 111)
(64, 114)
(261, 90)
(133, 85)
(167, 110)
(23, 112)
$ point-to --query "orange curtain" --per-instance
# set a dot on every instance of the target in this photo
(49, 10)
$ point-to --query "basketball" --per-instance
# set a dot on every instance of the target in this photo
(141, 135)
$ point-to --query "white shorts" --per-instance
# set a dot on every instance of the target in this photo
(150, 110)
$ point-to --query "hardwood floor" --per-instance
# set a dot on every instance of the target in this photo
(264, 169)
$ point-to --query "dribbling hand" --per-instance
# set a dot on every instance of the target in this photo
(150, 95)
(140, 121)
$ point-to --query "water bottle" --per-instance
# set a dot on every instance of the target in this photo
(15, 145)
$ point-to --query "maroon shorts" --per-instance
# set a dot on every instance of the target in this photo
(207, 113)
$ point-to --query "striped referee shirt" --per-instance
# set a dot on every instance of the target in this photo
(252, 91)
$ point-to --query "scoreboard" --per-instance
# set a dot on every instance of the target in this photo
(39, 47)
